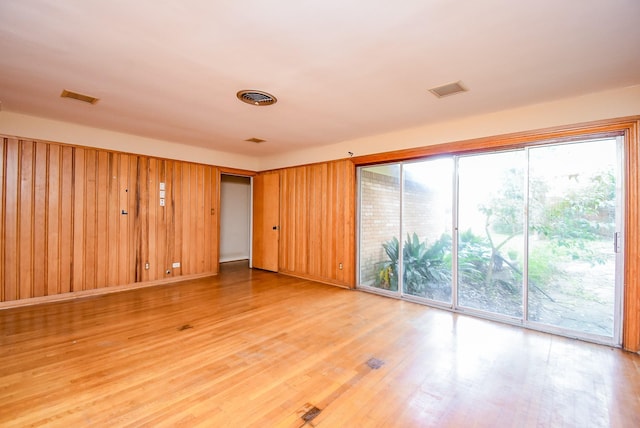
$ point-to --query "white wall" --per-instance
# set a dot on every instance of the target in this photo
(38, 128)
(235, 217)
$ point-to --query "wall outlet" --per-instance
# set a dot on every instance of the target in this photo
(146, 266)
(340, 266)
(176, 265)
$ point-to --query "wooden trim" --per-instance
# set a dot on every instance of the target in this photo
(315, 279)
(506, 141)
(3, 208)
(631, 304)
(235, 171)
(307, 164)
(98, 291)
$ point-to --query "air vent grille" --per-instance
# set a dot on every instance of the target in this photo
(80, 97)
(448, 89)
(256, 98)
(255, 140)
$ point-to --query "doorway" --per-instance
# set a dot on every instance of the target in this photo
(235, 218)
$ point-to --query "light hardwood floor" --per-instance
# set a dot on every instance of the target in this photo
(252, 348)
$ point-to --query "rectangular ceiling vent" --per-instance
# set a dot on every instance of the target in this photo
(448, 89)
(79, 97)
(255, 140)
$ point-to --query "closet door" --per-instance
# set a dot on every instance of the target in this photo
(266, 221)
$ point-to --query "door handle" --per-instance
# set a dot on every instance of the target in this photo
(616, 243)
(275, 227)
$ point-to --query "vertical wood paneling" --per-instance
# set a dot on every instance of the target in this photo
(123, 220)
(317, 209)
(113, 219)
(177, 206)
(171, 250)
(208, 180)
(198, 226)
(332, 244)
(90, 221)
(289, 234)
(300, 213)
(192, 223)
(65, 222)
(314, 190)
(39, 223)
(11, 213)
(3, 207)
(149, 227)
(163, 234)
(52, 219)
(79, 219)
(325, 222)
(284, 250)
(103, 243)
(160, 258)
(132, 208)
(141, 212)
(25, 221)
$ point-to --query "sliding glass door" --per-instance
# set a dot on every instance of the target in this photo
(490, 232)
(427, 228)
(574, 235)
(379, 226)
(532, 236)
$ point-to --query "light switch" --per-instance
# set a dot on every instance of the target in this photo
(162, 186)
(162, 193)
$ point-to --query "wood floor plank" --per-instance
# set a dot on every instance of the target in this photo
(254, 348)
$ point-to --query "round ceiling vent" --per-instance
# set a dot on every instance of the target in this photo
(256, 98)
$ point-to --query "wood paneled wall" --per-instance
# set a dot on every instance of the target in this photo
(317, 222)
(75, 218)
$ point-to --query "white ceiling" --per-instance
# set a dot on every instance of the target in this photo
(340, 69)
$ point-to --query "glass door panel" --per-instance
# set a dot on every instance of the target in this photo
(426, 226)
(379, 226)
(573, 199)
(490, 232)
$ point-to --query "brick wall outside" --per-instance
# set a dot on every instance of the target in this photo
(380, 217)
(379, 220)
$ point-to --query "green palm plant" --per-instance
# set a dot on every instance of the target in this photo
(424, 267)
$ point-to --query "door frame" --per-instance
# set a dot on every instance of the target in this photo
(628, 176)
(250, 213)
(240, 173)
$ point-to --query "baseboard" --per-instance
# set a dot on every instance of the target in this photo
(233, 259)
(315, 279)
(97, 292)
